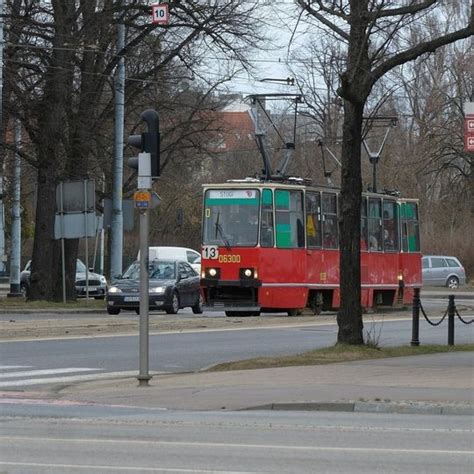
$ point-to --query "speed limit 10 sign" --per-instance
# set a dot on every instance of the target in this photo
(160, 14)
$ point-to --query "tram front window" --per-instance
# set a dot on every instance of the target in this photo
(231, 217)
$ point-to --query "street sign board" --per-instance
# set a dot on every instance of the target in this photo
(160, 14)
(142, 199)
(469, 133)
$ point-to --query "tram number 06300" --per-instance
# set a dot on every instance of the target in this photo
(229, 258)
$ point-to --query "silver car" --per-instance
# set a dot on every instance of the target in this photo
(442, 270)
(97, 283)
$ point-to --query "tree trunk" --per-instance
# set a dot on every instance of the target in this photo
(46, 250)
(349, 317)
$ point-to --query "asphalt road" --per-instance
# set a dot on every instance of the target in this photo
(84, 438)
(29, 363)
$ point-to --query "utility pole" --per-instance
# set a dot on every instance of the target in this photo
(3, 256)
(15, 259)
(116, 230)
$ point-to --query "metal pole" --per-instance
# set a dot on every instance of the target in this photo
(143, 375)
(116, 231)
(15, 260)
(86, 232)
(451, 312)
(63, 257)
(416, 318)
(2, 204)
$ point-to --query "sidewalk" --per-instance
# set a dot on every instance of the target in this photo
(438, 384)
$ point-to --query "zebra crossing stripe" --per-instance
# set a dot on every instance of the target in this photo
(9, 367)
(31, 373)
(67, 379)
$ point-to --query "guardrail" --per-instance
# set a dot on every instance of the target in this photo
(450, 312)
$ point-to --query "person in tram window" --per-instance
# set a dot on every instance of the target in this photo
(329, 240)
(388, 240)
(373, 243)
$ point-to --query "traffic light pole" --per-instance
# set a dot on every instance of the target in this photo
(148, 165)
(143, 374)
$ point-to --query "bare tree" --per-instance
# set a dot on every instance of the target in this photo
(62, 88)
(373, 32)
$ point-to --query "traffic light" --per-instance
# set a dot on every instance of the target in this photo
(147, 142)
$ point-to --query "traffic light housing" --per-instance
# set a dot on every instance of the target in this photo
(148, 142)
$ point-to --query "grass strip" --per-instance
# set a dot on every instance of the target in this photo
(20, 303)
(338, 353)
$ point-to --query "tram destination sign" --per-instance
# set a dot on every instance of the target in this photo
(233, 194)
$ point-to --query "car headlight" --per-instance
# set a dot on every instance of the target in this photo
(103, 280)
(114, 289)
(158, 289)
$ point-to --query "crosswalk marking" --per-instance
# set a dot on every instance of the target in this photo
(11, 376)
(30, 373)
(67, 379)
(9, 367)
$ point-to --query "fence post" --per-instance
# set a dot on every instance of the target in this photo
(451, 312)
(415, 328)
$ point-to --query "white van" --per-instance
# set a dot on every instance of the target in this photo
(175, 253)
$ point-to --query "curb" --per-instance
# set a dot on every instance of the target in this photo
(420, 408)
(53, 311)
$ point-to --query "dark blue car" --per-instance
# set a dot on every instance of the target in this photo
(172, 285)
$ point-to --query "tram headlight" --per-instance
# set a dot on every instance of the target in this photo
(248, 273)
(213, 273)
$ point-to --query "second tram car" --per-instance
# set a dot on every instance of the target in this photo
(273, 247)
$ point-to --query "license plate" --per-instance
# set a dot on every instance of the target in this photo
(131, 299)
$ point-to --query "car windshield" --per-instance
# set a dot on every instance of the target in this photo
(80, 267)
(157, 270)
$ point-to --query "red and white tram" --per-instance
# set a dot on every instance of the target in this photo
(272, 246)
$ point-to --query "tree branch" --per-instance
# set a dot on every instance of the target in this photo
(420, 49)
(323, 19)
(408, 10)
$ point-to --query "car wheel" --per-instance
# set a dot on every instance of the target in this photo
(452, 282)
(197, 308)
(174, 308)
(112, 310)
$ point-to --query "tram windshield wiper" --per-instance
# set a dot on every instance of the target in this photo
(220, 232)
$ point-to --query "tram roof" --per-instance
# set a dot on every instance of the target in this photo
(295, 183)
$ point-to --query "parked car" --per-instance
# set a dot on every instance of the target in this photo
(175, 253)
(97, 283)
(172, 285)
(442, 270)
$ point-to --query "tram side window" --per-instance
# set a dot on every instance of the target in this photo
(330, 239)
(289, 219)
(410, 227)
(266, 226)
(390, 226)
(375, 224)
(313, 219)
(364, 238)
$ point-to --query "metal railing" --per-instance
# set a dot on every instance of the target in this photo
(450, 312)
